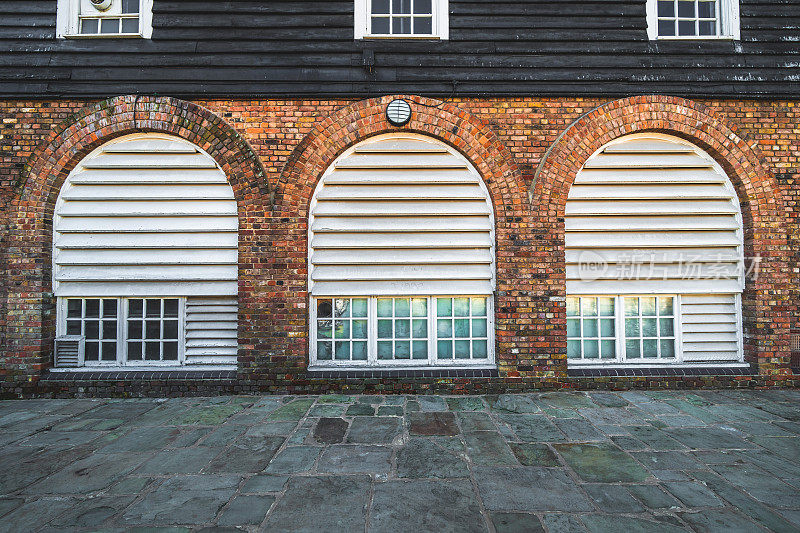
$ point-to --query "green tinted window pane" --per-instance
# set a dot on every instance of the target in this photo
(632, 349)
(402, 307)
(606, 306)
(649, 327)
(572, 306)
(479, 307)
(419, 350)
(384, 307)
(667, 327)
(359, 307)
(589, 306)
(665, 306)
(573, 327)
(419, 329)
(444, 307)
(608, 349)
(574, 349)
(589, 328)
(479, 350)
(324, 308)
(324, 329)
(359, 329)
(402, 329)
(341, 329)
(444, 349)
(360, 351)
(341, 307)
(342, 350)
(419, 307)
(461, 327)
(444, 328)
(402, 350)
(478, 327)
(650, 348)
(462, 349)
(648, 306)
(324, 351)
(631, 327)
(667, 348)
(384, 329)
(631, 306)
(591, 349)
(384, 350)
(607, 328)
(461, 306)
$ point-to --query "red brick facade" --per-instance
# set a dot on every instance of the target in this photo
(274, 152)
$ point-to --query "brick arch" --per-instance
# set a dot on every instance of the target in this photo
(471, 137)
(31, 324)
(766, 337)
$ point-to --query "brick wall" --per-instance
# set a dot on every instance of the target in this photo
(275, 151)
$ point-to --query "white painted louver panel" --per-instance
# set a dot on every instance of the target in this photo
(652, 214)
(211, 331)
(149, 216)
(401, 216)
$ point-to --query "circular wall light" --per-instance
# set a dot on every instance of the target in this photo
(398, 112)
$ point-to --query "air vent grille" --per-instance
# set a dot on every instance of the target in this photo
(795, 342)
(69, 351)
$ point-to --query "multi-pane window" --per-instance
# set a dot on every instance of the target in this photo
(602, 329)
(401, 17)
(649, 327)
(693, 18)
(104, 18)
(461, 328)
(152, 329)
(96, 320)
(409, 330)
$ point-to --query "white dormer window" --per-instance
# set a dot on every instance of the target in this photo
(693, 19)
(105, 18)
(401, 19)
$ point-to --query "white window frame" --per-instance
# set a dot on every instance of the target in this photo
(68, 20)
(122, 331)
(372, 337)
(619, 324)
(729, 24)
(440, 24)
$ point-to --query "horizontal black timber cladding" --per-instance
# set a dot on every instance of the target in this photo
(303, 48)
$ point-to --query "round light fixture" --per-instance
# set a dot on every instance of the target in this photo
(398, 112)
(101, 5)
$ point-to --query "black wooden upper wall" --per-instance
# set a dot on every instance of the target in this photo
(304, 48)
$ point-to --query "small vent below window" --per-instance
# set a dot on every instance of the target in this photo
(795, 342)
(69, 351)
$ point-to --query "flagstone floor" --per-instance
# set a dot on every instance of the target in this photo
(556, 462)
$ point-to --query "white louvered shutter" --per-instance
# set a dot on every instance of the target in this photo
(401, 216)
(151, 215)
(656, 205)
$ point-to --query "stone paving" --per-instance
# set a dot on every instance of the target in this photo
(556, 462)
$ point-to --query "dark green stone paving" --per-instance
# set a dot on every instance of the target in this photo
(702, 461)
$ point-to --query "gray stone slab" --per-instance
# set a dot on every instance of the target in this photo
(180, 461)
(351, 459)
(608, 399)
(515, 403)
(488, 448)
(566, 400)
(605, 523)
(246, 510)
(466, 403)
(615, 416)
(224, 435)
(667, 460)
(360, 409)
(475, 422)
(271, 429)
(374, 430)
(422, 458)
(90, 513)
(529, 489)
(516, 523)
(425, 505)
(613, 498)
(714, 520)
(264, 483)
(655, 438)
(602, 463)
(431, 403)
(242, 459)
(294, 459)
(533, 428)
(760, 485)
(328, 410)
(294, 410)
(329, 503)
(563, 523)
(183, 500)
(143, 439)
(94, 473)
(534, 454)
(693, 494)
(330, 430)
(653, 496)
(579, 430)
(34, 514)
(436, 423)
(787, 447)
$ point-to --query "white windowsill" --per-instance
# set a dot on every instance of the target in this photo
(660, 365)
(104, 36)
(321, 368)
(695, 38)
(152, 368)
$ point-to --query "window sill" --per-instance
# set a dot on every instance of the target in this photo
(103, 36)
(401, 37)
(696, 38)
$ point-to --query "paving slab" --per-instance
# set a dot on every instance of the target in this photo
(604, 463)
(529, 489)
(352, 459)
(423, 458)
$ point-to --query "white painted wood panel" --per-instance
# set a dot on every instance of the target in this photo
(401, 215)
(151, 215)
(653, 214)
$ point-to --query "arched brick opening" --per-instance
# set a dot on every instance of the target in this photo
(474, 140)
(765, 300)
(31, 323)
